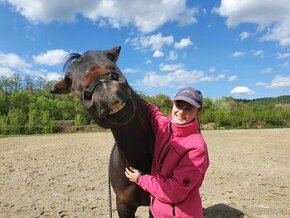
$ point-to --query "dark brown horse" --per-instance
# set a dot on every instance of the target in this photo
(98, 82)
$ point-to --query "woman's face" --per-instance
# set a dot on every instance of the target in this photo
(183, 112)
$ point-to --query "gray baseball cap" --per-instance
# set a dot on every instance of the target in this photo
(190, 95)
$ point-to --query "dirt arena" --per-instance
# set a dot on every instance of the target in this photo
(66, 175)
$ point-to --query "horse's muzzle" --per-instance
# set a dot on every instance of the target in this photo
(88, 92)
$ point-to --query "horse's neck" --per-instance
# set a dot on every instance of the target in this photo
(135, 140)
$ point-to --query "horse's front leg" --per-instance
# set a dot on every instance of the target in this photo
(127, 193)
(125, 211)
(127, 201)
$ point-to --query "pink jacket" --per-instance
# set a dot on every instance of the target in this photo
(178, 168)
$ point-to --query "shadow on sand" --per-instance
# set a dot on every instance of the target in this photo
(222, 211)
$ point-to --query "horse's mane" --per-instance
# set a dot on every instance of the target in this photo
(69, 59)
(142, 110)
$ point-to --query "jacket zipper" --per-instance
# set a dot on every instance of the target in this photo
(163, 146)
(173, 210)
(163, 159)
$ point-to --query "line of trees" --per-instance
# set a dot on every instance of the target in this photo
(27, 107)
(229, 113)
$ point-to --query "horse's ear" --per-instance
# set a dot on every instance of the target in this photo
(61, 88)
(116, 51)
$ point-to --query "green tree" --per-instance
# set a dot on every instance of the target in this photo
(48, 86)
(4, 125)
(46, 122)
(15, 82)
(22, 100)
(163, 102)
(16, 121)
(3, 104)
(33, 121)
(28, 84)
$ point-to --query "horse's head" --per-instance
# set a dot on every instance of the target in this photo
(96, 79)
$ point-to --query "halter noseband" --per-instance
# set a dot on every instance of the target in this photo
(111, 75)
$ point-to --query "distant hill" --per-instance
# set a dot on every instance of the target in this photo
(284, 99)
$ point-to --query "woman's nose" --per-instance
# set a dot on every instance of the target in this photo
(181, 110)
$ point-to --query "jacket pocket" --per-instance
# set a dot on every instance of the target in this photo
(168, 161)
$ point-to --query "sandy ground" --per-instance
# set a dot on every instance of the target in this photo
(66, 175)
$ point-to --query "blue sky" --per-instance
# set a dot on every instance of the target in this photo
(224, 48)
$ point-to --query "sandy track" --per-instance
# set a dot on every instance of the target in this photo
(66, 175)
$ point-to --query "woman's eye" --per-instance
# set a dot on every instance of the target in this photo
(183, 107)
(178, 105)
(188, 109)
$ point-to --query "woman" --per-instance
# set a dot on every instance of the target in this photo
(180, 159)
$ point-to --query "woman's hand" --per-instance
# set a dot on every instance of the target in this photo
(132, 174)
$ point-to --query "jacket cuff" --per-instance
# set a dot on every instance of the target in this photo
(138, 178)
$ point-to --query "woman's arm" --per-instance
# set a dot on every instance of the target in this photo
(187, 176)
(157, 117)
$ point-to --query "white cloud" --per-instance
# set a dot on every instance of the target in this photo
(261, 84)
(258, 53)
(12, 64)
(238, 54)
(244, 35)
(280, 32)
(172, 56)
(130, 70)
(220, 77)
(185, 42)
(283, 55)
(213, 78)
(285, 65)
(154, 42)
(170, 67)
(280, 82)
(147, 15)
(268, 70)
(242, 90)
(272, 16)
(212, 70)
(6, 71)
(233, 78)
(44, 73)
(180, 77)
(51, 57)
(157, 54)
(187, 18)
(177, 78)
(53, 76)
(13, 61)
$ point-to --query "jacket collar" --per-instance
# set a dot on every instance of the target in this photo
(184, 130)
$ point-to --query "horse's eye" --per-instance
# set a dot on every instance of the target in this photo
(68, 81)
(114, 76)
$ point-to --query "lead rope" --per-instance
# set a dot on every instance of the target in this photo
(109, 188)
(110, 199)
